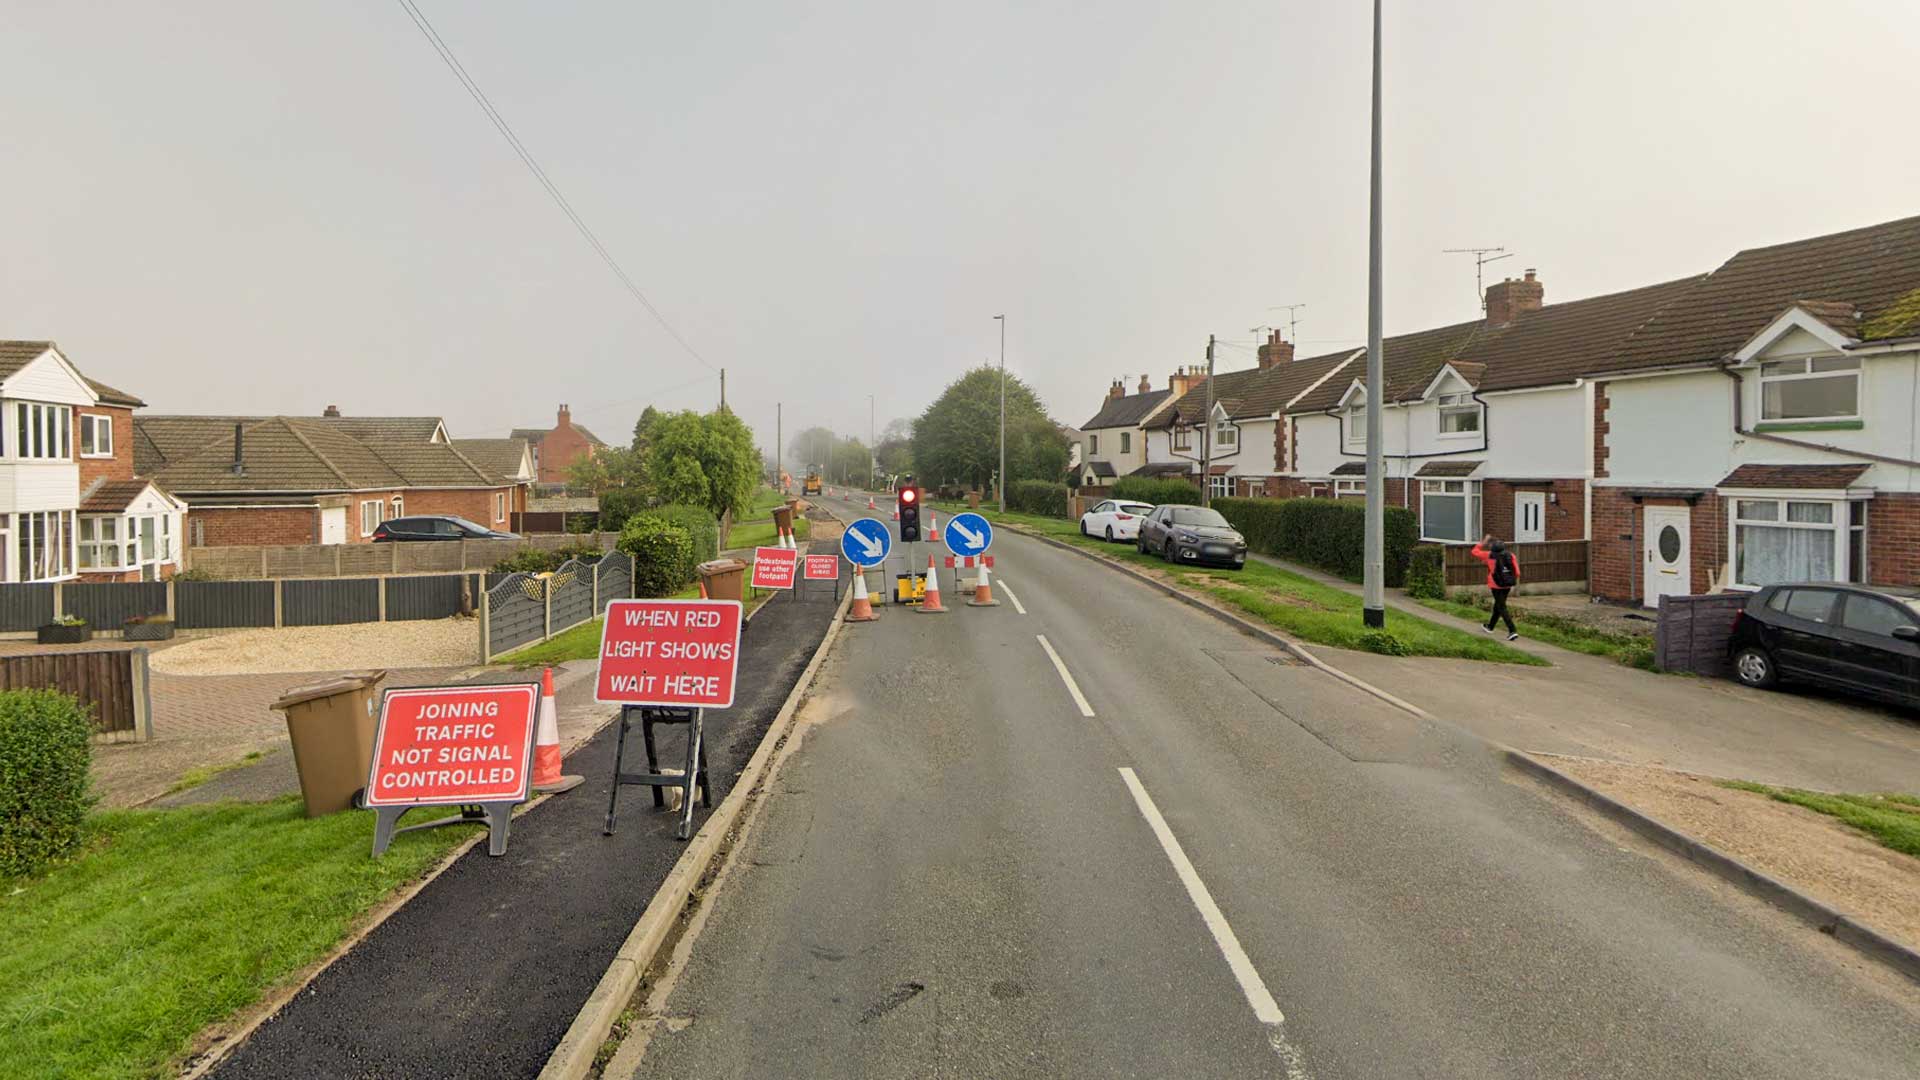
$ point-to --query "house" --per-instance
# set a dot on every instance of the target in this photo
(72, 506)
(1114, 444)
(329, 479)
(508, 461)
(556, 449)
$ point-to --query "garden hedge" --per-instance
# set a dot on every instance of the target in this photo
(1156, 490)
(1427, 572)
(44, 783)
(1325, 533)
(1042, 497)
(702, 528)
(662, 555)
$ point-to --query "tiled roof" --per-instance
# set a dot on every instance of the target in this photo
(386, 428)
(1449, 469)
(1562, 342)
(1229, 389)
(1101, 468)
(1125, 411)
(501, 459)
(1876, 270)
(1350, 468)
(1163, 468)
(15, 355)
(1257, 392)
(110, 396)
(1838, 314)
(112, 496)
(1410, 363)
(534, 435)
(1822, 477)
(282, 453)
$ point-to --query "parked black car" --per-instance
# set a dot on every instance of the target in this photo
(1192, 534)
(438, 527)
(1862, 639)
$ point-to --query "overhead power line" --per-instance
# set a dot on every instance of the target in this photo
(506, 131)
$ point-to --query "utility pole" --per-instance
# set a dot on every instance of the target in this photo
(779, 447)
(1206, 435)
(1373, 588)
(1000, 482)
(873, 454)
(723, 388)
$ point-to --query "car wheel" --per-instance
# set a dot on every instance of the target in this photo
(1109, 534)
(1166, 550)
(1754, 667)
(1083, 526)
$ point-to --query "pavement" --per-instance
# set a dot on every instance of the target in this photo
(480, 974)
(1113, 837)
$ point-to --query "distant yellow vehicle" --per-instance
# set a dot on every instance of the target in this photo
(812, 485)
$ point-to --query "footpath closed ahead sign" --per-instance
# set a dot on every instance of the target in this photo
(823, 567)
(445, 745)
(671, 653)
(773, 567)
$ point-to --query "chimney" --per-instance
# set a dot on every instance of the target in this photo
(566, 418)
(1275, 351)
(1177, 382)
(1146, 385)
(331, 410)
(1117, 391)
(239, 465)
(1507, 299)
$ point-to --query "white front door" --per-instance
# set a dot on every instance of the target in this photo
(1529, 517)
(333, 524)
(1669, 553)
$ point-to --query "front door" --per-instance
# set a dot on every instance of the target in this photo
(333, 525)
(1669, 553)
(1529, 517)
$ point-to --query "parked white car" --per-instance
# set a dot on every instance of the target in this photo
(1114, 519)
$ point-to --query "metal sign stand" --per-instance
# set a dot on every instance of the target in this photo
(496, 816)
(694, 774)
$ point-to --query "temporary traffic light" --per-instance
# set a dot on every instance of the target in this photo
(909, 513)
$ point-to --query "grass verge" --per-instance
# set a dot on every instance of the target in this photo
(750, 534)
(583, 642)
(1290, 603)
(1893, 820)
(1633, 650)
(174, 919)
(194, 777)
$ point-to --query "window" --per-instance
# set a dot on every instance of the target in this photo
(99, 543)
(96, 435)
(1349, 489)
(1126, 442)
(499, 506)
(1813, 605)
(41, 431)
(1221, 486)
(1182, 438)
(1093, 445)
(1450, 510)
(399, 508)
(1782, 540)
(1459, 414)
(1871, 616)
(42, 545)
(1357, 422)
(370, 516)
(1225, 434)
(1821, 388)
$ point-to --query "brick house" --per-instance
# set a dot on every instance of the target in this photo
(556, 449)
(1113, 443)
(330, 479)
(71, 504)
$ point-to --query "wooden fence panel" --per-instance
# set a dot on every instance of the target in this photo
(1693, 632)
(107, 605)
(25, 607)
(361, 560)
(324, 602)
(216, 605)
(424, 597)
(1554, 560)
(103, 679)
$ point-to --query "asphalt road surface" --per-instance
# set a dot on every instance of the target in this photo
(1236, 866)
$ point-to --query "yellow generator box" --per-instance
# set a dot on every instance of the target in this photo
(909, 588)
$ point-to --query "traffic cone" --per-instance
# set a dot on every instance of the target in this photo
(862, 609)
(933, 527)
(932, 602)
(982, 590)
(870, 505)
(546, 750)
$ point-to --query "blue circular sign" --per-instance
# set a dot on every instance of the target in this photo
(967, 534)
(866, 542)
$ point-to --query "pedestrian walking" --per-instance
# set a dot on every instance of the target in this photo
(1503, 573)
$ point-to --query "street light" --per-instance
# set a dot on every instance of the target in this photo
(1000, 482)
(1373, 582)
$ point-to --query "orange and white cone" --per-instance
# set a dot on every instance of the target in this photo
(983, 590)
(933, 527)
(862, 609)
(546, 750)
(870, 505)
(931, 605)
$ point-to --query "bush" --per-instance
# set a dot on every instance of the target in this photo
(702, 528)
(1427, 572)
(662, 555)
(541, 561)
(1384, 643)
(1156, 490)
(1041, 497)
(619, 504)
(44, 757)
(1325, 533)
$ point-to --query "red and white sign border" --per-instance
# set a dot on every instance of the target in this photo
(733, 685)
(520, 792)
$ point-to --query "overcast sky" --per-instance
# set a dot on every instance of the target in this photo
(235, 206)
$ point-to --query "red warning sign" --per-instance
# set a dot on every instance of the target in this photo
(773, 567)
(453, 744)
(823, 567)
(676, 653)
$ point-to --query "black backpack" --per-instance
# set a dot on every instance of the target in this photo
(1504, 574)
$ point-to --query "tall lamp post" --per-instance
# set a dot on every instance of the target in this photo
(1000, 482)
(1373, 587)
(873, 456)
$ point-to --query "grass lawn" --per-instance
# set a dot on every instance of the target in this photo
(1290, 603)
(198, 775)
(174, 919)
(1630, 649)
(583, 642)
(759, 533)
(1893, 820)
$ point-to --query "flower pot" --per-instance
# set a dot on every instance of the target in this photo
(149, 631)
(62, 634)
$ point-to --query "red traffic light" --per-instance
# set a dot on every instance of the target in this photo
(908, 495)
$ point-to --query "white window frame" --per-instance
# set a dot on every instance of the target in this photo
(399, 508)
(1126, 442)
(379, 506)
(1226, 433)
(1221, 486)
(40, 432)
(96, 424)
(1447, 489)
(1779, 372)
(499, 506)
(1349, 488)
(1841, 526)
(56, 541)
(1357, 423)
(1459, 405)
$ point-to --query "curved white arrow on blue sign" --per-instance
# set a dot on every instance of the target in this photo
(967, 534)
(866, 542)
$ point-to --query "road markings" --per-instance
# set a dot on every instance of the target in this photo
(1073, 688)
(1017, 605)
(1265, 1009)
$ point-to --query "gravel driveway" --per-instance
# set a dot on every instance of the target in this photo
(424, 643)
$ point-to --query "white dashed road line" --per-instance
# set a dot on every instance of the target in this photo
(1073, 688)
(1017, 605)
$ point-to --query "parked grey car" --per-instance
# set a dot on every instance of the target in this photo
(1192, 534)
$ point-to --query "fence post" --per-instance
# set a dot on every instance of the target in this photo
(336, 559)
(383, 596)
(263, 562)
(596, 586)
(142, 694)
(486, 622)
(59, 600)
(463, 554)
(279, 602)
(546, 596)
(172, 601)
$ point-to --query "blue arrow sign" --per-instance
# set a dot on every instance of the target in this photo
(866, 542)
(967, 534)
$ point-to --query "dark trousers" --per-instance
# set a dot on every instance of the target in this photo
(1500, 610)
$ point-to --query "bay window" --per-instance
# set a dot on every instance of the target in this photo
(1779, 540)
(1816, 389)
(1450, 511)
(43, 545)
(1221, 486)
(1459, 414)
(41, 432)
(99, 543)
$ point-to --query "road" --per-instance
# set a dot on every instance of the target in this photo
(1109, 836)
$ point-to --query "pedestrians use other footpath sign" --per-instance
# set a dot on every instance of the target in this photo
(968, 534)
(670, 653)
(773, 567)
(452, 746)
(866, 542)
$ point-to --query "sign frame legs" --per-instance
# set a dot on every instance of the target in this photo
(496, 816)
(693, 775)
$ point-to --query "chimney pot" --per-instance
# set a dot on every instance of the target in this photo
(331, 410)
(1146, 384)
(1277, 350)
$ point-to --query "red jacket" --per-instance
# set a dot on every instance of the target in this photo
(1486, 556)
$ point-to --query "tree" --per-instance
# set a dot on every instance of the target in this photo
(957, 440)
(814, 446)
(649, 416)
(706, 460)
(608, 468)
(849, 462)
(895, 456)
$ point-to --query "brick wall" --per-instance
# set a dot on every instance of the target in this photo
(560, 448)
(261, 525)
(1619, 544)
(474, 504)
(1600, 429)
(1893, 539)
(120, 465)
(1565, 520)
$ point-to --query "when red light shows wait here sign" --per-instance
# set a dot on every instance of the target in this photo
(674, 653)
